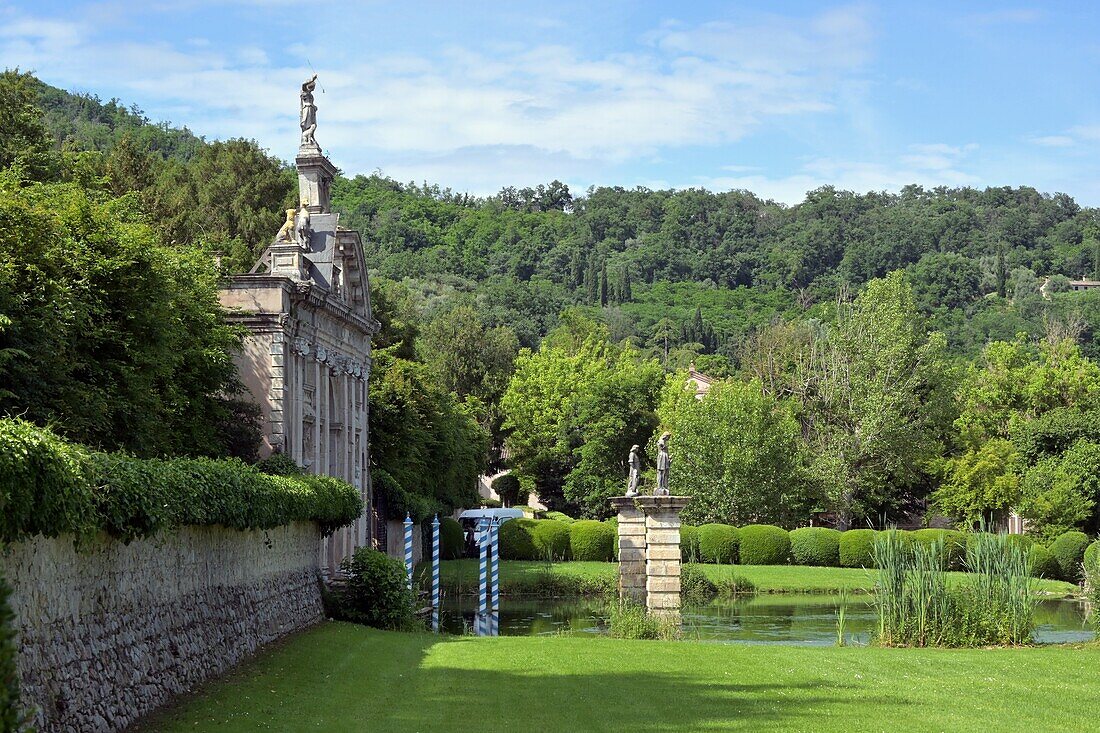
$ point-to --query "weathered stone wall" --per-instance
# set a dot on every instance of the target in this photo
(112, 631)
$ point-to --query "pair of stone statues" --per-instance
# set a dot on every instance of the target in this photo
(634, 480)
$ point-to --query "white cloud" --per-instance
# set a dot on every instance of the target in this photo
(1054, 141)
(688, 85)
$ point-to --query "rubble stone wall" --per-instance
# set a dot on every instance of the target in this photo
(108, 632)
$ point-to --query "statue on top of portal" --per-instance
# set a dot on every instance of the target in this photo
(635, 478)
(309, 113)
(663, 464)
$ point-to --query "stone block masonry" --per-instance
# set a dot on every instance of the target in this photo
(110, 632)
(649, 551)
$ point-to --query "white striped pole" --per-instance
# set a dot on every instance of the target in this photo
(409, 549)
(483, 544)
(435, 574)
(494, 562)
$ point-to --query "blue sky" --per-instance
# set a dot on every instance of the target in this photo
(778, 97)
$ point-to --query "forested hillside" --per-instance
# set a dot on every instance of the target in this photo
(885, 352)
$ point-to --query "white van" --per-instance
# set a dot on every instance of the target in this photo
(470, 519)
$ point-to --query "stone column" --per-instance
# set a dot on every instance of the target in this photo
(632, 545)
(649, 551)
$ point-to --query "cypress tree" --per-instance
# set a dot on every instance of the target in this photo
(603, 285)
(1002, 272)
(628, 296)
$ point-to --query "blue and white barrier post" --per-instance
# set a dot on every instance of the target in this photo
(435, 574)
(409, 549)
(494, 563)
(483, 544)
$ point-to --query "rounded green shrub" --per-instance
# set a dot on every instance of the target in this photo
(718, 543)
(507, 487)
(954, 545)
(592, 540)
(517, 541)
(764, 544)
(375, 592)
(551, 539)
(1069, 552)
(857, 548)
(689, 543)
(815, 546)
(1041, 563)
(559, 517)
(452, 540)
(1092, 558)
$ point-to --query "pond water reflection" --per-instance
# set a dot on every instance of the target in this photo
(802, 620)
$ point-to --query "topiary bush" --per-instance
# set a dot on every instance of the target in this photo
(718, 543)
(1069, 552)
(452, 540)
(507, 487)
(1092, 558)
(559, 517)
(375, 591)
(764, 544)
(551, 539)
(591, 540)
(857, 548)
(689, 543)
(954, 545)
(815, 546)
(517, 540)
(1041, 563)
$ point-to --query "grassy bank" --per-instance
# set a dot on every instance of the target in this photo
(339, 677)
(589, 578)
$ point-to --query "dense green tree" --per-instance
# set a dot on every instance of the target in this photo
(981, 485)
(24, 141)
(738, 454)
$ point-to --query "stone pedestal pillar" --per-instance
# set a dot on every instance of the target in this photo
(632, 541)
(649, 533)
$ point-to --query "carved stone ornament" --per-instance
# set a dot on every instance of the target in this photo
(321, 354)
(301, 346)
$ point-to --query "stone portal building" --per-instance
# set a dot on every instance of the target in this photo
(307, 359)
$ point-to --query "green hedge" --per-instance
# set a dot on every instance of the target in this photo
(1092, 557)
(452, 540)
(559, 517)
(49, 487)
(815, 546)
(1069, 552)
(689, 543)
(1041, 563)
(764, 544)
(517, 540)
(857, 548)
(592, 540)
(718, 543)
(375, 592)
(954, 544)
(551, 539)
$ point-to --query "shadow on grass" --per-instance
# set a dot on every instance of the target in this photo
(344, 678)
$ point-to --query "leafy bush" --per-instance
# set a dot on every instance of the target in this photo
(375, 591)
(764, 544)
(49, 487)
(857, 548)
(551, 539)
(559, 517)
(507, 487)
(279, 464)
(1040, 563)
(695, 587)
(815, 546)
(718, 543)
(591, 540)
(489, 503)
(452, 540)
(1092, 557)
(954, 545)
(689, 543)
(1069, 552)
(517, 541)
(12, 717)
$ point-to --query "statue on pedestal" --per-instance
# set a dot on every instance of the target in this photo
(286, 232)
(635, 477)
(308, 113)
(663, 463)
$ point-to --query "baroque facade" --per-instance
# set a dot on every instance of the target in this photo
(307, 359)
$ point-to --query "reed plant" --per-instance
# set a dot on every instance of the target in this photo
(995, 605)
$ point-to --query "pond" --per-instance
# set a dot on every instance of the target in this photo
(800, 620)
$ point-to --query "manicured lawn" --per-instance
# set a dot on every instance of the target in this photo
(340, 677)
(518, 577)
